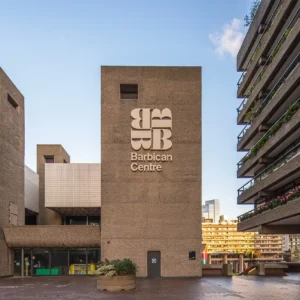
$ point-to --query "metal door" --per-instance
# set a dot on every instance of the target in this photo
(153, 264)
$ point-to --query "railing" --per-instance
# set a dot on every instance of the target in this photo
(280, 82)
(269, 60)
(267, 135)
(271, 204)
(259, 43)
(271, 168)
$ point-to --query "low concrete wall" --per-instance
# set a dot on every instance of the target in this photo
(275, 269)
(211, 270)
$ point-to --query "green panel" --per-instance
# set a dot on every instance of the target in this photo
(42, 271)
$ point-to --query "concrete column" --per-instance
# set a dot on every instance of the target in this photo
(22, 262)
(209, 259)
(241, 263)
(225, 260)
(261, 269)
(236, 267)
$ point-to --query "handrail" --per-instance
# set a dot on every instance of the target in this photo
(242, 161)
(271, 94)
(270, 58)
(258, 177)
(259, 42)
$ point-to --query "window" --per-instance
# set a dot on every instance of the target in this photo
(76, 220)
(49, 159)
(192, 255)
(65, 162)
(94, 220)
(12, 101)
(129, 91)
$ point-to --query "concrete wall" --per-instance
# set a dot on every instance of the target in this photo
(12, 211)
(47, 216)
(161, 210)
(73, 185)
(31, 190)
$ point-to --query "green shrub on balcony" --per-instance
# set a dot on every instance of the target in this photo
(275, 202)
(285, 119)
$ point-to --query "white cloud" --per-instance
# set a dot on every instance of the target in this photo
(230, 39)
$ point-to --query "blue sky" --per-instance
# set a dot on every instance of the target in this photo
(53, 51)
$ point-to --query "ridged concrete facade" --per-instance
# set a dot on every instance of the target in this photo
(12, 211)
(158, 210)
(31, 190)
(73, 189)
(270, 115)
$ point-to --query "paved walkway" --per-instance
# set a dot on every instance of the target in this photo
(206, 288)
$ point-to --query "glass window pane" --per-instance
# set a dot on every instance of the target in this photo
(27, 262)
(59, 262)
(17, 262)
(41, 261)
(94, 220)
(76, 220)
(77, 261)
(93, 259)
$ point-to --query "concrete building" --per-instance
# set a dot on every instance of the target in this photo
(143, 202)
(31, 189)
(211, 210)
(291, 245)
(151, 168)
(12, 211)
(224, 244)
(270, 117)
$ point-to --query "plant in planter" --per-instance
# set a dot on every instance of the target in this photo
(116, 275)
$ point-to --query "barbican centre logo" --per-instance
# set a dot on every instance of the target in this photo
(151, 129)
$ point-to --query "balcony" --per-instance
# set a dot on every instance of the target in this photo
(283, 94)
(281, 172)
(269, 70)
(284, 132)
(253, 33)
(282, 217)
(271, 29)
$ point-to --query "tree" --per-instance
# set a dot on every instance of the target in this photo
(248, 19)
(296, 256)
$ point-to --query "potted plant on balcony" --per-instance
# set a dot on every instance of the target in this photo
(116, 275)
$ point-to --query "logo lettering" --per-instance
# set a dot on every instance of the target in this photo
(151, 129)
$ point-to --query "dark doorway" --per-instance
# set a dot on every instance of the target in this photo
(153, 264)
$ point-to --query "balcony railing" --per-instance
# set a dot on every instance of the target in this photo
(278, 85)
(269, 60)
(271, 204)
(285, 118)
(268, 25)
(281, 161)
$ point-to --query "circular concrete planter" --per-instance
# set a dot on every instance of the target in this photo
(116, 283)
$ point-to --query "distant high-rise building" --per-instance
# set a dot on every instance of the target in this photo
(211, 210)
(291, 243)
